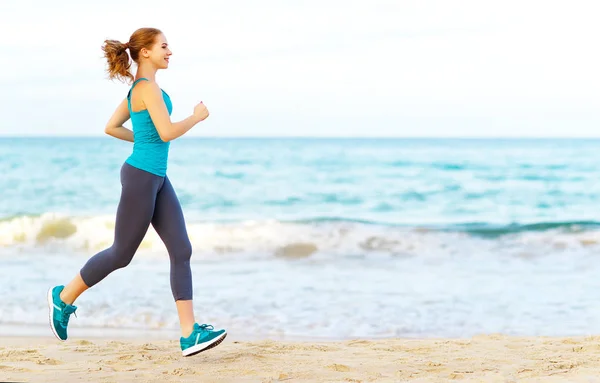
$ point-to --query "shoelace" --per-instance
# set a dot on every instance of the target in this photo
(66, 312)
(206, 327)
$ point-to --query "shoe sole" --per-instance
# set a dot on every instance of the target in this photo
(204, 346)
(50, 312)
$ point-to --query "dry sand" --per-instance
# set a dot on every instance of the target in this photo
(491, 358)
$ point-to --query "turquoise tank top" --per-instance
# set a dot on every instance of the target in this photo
(150, 153)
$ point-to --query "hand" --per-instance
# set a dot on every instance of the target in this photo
(200, 111)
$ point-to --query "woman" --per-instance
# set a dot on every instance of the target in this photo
(147, 196)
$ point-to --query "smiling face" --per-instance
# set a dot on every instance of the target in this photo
(158, 54)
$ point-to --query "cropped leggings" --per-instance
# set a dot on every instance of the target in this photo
(146, 199)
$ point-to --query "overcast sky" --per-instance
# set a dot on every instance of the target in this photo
(314, 67)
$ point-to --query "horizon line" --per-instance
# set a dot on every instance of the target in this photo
(319, 137)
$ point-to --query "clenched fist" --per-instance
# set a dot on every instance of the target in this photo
(200, 111)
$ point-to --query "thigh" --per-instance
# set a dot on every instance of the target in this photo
(168, 220)
(136, 206)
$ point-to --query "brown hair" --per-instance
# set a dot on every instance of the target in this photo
(115, 52)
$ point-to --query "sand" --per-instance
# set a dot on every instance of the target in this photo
(492, 358)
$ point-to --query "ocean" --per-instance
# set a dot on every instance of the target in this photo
(317, 238)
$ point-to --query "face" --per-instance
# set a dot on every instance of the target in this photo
(159, 53)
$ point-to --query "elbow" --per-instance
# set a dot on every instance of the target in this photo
(164, 135)
(108, 130)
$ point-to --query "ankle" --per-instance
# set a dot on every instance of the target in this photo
(186, 331)
(63, 297)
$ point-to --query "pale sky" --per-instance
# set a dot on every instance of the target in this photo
(314, 67)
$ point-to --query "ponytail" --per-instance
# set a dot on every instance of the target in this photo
(115, 53)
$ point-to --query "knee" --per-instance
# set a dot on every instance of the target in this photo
(122, 257)
(184, 252)
(122, 262)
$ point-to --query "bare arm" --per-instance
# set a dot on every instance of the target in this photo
(167, 130)
(115, 127)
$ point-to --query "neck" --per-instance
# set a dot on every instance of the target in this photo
(147, 71)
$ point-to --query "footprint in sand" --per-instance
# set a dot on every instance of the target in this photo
(48, 361)
(339, 367)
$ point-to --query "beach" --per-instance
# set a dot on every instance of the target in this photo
(486, 358)
(325, 260)
(384, 191)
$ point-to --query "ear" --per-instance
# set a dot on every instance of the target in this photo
(144, 53)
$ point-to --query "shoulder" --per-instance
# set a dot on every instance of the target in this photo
(147, 87)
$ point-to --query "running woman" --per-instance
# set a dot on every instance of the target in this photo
(147, 196)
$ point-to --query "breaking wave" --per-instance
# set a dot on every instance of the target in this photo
(303, 238)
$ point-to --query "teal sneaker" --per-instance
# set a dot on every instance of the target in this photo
(59, 312)
(201, 339)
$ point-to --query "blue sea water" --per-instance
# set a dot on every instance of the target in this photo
(332, 238)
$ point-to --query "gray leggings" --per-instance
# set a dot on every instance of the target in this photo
(146, 198)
